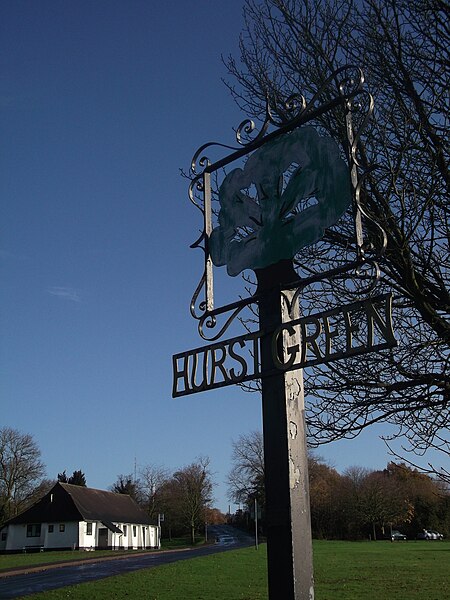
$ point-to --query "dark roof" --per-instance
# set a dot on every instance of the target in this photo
(66, 502)
(112, 527)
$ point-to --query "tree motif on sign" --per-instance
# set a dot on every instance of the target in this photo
(254, 233)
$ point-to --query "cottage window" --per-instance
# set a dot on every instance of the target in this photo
(50, 528)
(3, 537)
(88, 528)
(124, 530)
(134, 530)
(62, 527)
(34, 530)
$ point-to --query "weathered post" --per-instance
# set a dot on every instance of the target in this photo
(289, 544)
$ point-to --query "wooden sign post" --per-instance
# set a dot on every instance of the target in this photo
(288, 522)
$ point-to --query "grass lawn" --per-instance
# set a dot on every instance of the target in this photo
(382, 570)
(343, 570)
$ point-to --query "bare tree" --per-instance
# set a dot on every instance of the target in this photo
(153, 478)
(246, 477)
(21, 471)
(169, 499)
(193, 488)
(292, 46)
(357, 503)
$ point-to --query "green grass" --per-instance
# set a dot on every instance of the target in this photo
(383, 570)
(343, 570)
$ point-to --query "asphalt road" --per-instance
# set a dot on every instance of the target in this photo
(25, 584)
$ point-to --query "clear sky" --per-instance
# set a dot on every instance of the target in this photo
(102, 102)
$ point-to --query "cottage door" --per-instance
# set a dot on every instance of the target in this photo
(102, 538)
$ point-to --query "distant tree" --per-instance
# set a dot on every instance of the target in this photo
(429, 496)
(44, 486)
(152, 479)
(326, 487)
(126, 484)
(169, 501)
(192, 487)
(246, 477)
(353, 479)
(292, 47)
(62, 477)
(77, 478)
(246, 483)
(396, 497)
(21, 471)
(384, 502)
(213, 516)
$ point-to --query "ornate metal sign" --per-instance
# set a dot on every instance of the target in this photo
(292, 184)
(347, 331)
(295, 184)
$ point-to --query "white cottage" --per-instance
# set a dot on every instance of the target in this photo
(75, 517)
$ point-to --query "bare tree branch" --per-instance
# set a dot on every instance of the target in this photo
(292, 46)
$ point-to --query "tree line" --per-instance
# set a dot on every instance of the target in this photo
(357, 504)
(181, 500)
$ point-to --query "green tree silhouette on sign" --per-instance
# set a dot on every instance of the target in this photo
(255, 232)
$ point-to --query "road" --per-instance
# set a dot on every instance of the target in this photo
(25, 584)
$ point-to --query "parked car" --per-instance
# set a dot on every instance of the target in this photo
(424, 535)
(436, 534)
(430, 534)
(396, 535)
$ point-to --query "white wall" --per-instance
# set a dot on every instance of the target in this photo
(130, 541)
(85, 540)
(61, 539)
(119, 541)
(17, 537)
(75, 535)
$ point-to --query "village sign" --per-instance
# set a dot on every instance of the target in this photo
(292, 186)
(307, 341)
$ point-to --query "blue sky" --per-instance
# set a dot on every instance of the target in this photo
(102, 102)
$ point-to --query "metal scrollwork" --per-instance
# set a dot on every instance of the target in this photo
(349, 80)
(209, 321)
(247, 126)
(296, 103)
(196, 187)
(343, 89)
(198, 313)
(203, 161)
(359, 112)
